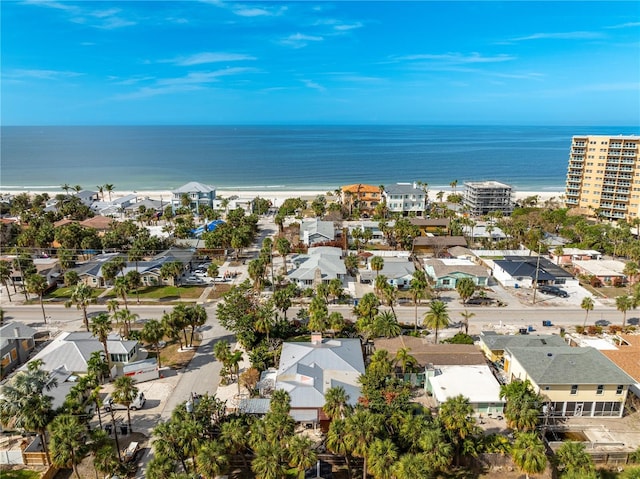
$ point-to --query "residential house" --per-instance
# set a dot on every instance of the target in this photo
(432, 226)
(450, 370)
(233, 203)
(574, 381)
(314, 231)
(321, 264)
(485, 197)
(17, 341)
(307, 370)
(362, 197)
(199, 195)
(569, 255)
(398, 271)
(626, 355)
(462, 252)
(148, 204)
(405, 198)
(527, 271)
(493, 344)
(446, 272)
(72, 350)
(90, 273)
(608, 271)
(483, 230)
(377, 235)
(437, 245)
(477, 383)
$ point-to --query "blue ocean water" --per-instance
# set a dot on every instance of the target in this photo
(286, 157)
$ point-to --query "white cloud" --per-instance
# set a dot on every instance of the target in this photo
(313, 85)
(626, 25)
(578, 35)
(210, 57)
(338, 25)
(40, 74)
(299, 40)
(203, 77)
(106, 19)
(458, 58)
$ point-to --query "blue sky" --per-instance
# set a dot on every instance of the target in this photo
(213, 62)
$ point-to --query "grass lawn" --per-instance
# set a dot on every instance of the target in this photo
(20, 474)
(64, 293)
(164, 293)
(172, 357)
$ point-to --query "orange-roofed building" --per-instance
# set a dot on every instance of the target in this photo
(363, 197)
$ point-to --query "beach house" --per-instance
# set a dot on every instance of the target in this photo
(361, 197)
(405, 198)
(196, 194)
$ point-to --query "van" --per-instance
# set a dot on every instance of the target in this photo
(137, 403)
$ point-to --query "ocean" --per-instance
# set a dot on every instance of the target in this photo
(530, 158)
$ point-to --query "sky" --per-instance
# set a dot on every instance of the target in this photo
(308, 62)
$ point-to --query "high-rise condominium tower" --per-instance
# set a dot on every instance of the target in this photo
(603, 178)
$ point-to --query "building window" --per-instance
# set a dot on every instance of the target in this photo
(619, 389)
(600, 389)
(574, 389)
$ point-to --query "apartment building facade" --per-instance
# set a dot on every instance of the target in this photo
(484, 197)
(603, 177)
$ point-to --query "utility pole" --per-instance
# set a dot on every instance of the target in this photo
(535, 285)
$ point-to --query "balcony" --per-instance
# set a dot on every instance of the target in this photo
(630, 146)
(571, 201)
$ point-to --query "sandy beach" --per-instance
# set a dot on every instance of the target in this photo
(275, 196)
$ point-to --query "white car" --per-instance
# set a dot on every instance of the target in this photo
(192, 280)
(138, 403)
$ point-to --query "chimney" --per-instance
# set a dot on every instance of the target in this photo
(316, 337)
(16, 331)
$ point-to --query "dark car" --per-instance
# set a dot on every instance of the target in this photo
(553, 290)
(480, 301)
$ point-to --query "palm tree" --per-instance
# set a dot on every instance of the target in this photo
(587, 304)
(318, 314)
(109, 188)
(337, 441)
(386, 325)
(361, 429)
(410, 466)
(37, 284)
(153, 332)
(65, 188)
(120, 288)
(466, 316)
(377, 263)
(234, 362)
(438, 452)
(125, 392)
(5, 276)
(24, 403)
(623, 304)
(574, 461)
(212, 459)
(268, 462)
(456, 416)
(465, 287)
(301, 454)
(264, 322)
(528, 453)
(404, 359)
(100, 327)
(101, 191)
(383, 454)
(235, 437)
(82, 297)
(418, 290)
(284, 248)
(437, 317)
(67, 446)
(134, 281)
(336, 403)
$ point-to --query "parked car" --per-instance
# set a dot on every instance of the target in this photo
(553, 290)
(479, 300)
(192, 280)
(131, 451)
(137, 403)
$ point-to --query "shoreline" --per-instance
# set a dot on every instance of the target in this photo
(276, 196)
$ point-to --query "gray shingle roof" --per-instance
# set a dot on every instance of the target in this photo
(327, 259)
(567, 365)
(500, 342)
(14, 330)
(193, 187)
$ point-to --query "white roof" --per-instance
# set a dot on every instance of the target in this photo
(474, 382)
(578, 251)
(602, 267)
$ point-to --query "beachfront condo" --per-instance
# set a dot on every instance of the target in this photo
(603, 178)
(484, 197)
